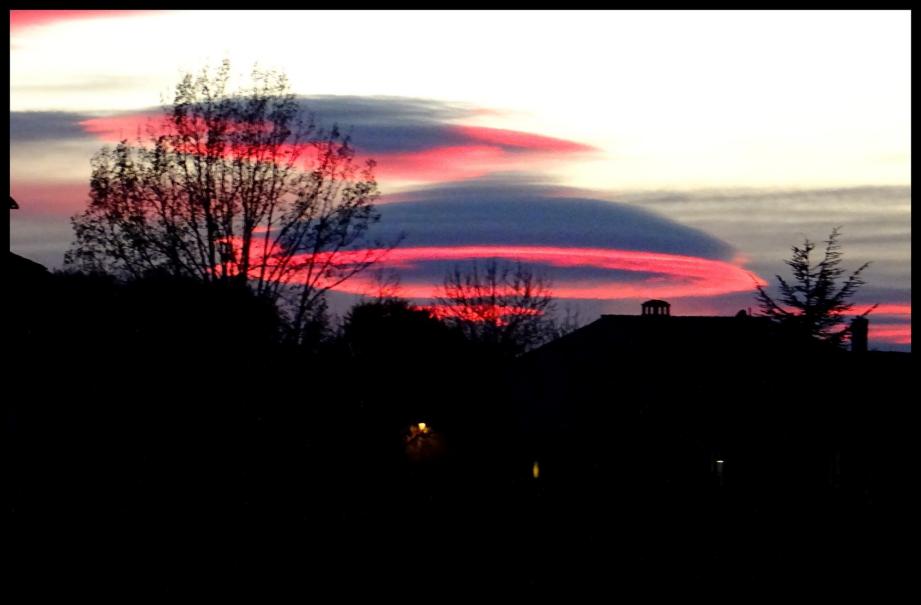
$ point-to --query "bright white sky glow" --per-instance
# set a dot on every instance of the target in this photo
(675, 99)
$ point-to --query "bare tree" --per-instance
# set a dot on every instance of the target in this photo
(569, 320)
(233, 186)
(501, 305)
(814, 303)
(387, 285)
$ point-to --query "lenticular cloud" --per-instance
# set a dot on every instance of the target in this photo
(484, 203)
(589, 248)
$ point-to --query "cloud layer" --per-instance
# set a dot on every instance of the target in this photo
(589, 248)
(410, 139)
(477, 196)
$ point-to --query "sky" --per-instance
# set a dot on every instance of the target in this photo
(626, 155)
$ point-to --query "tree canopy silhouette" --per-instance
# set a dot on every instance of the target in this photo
(506, 307)
(813, 304)
(233, 186)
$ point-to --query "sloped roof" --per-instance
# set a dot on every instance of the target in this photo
(651, 335)
(21, 268)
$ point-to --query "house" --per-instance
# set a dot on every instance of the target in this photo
(693, 401)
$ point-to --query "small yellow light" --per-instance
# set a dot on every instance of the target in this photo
(422, 427)
(535, 470)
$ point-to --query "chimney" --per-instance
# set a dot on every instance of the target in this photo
(656, 308)
(859, 329)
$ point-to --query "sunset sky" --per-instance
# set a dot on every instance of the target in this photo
(628, 155)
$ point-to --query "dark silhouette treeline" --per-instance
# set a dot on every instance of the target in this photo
(166, 422)
(162, 412)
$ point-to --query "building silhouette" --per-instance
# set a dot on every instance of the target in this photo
(656, 307)
(655, 400)
(23, 272)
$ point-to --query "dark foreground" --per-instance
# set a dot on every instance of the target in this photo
(155, 452)
(157, 497)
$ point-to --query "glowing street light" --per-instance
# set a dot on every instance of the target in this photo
(422, 442)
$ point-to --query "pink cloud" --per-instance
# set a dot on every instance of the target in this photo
(489, 150)
(50, 198)
(492, 313)
(522, 140)
(676, 275)
(886, 309)
(891, 333)
(22, 19)
(115, 128)
(443, 163)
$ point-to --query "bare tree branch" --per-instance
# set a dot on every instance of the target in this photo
(225, 188)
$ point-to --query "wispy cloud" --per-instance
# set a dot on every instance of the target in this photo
(410, 139)
(32, 126)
